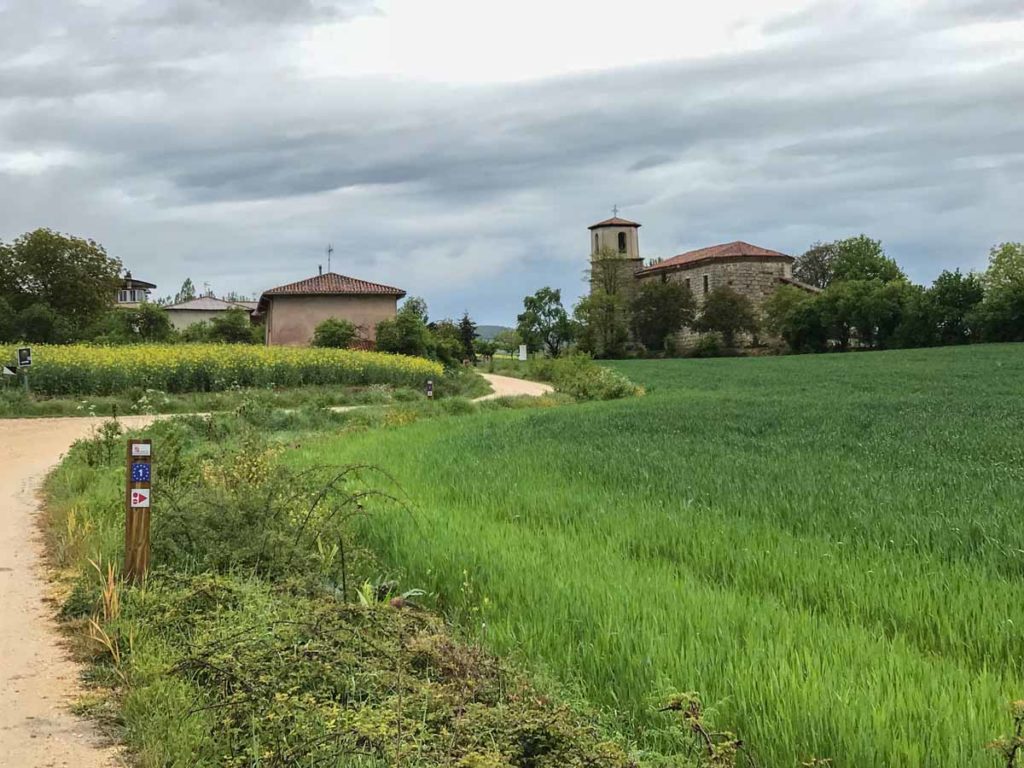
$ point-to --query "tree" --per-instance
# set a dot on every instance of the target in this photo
(406, 333)
(234, 327)
(444, 343)
(1000, 317)
(335, 333)
(187, 292)
(954, 298)
(544, 321)
(468, 336)
(610, 273)
(508, 341)
(861, 258)
(659, 310)
(602, 324)
(1005, 267)
(143, 324)
(815, 265)
(73, 277)
(728, 313)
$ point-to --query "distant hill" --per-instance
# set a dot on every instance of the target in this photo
(488, 332)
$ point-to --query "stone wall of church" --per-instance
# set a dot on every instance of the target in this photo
(755, 278)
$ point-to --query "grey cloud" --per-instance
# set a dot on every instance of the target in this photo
(910, 136)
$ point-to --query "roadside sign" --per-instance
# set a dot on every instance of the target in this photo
(522, 352)
(8, 371)
(138, 501)
(24, 357)
(430, 389)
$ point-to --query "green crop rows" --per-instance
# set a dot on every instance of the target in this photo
(829, 549)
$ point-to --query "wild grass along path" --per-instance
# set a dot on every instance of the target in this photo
(37, 678)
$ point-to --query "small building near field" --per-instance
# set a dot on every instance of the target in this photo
(133, 292)
(204, 309)
(292, 312)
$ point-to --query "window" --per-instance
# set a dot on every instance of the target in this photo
(664, 277)
(687, 283)
(122, 297)
(707, 284)
(622, 242)
(596, 249)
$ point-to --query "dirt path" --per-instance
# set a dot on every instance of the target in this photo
(506, 386)
(37, 680)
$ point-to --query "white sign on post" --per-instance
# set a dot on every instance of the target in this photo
(142, 449)
(522, 352)
(140, 498)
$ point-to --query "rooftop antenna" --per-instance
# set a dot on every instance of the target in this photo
(330, 250)
(615, 210)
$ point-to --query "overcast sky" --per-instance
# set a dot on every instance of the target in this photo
(460, 148)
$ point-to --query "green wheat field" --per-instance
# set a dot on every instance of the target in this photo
(830, 549)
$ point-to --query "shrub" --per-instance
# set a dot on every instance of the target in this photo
(580, 377)
(335, 333)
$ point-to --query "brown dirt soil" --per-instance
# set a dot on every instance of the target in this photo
(38, 680)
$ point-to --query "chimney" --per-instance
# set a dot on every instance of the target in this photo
(321, 266)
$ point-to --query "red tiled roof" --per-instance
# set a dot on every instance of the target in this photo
(614, 222)
(735, 250)
(329, 284)
(332, 283)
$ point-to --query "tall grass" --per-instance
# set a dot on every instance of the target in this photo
(830, 549)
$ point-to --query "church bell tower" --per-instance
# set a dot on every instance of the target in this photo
(614, 255)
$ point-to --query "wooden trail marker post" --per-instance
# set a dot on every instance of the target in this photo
(138, 501)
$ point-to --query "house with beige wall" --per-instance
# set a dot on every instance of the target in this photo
(203, 309)
(292, 312)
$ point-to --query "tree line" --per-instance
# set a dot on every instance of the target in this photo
(855, 296)
(58, 289)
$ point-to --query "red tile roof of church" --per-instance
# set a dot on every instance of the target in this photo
(615, 221)
(738, 249)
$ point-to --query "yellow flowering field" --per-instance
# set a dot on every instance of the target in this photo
(176, 368)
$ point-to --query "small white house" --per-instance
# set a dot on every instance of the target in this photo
(203, 309)
(133, 291)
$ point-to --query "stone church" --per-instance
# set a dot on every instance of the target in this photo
(748, 269)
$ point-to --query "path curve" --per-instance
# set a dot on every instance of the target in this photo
(37, 679)
(506, 386)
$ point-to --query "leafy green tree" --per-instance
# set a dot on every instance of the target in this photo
(74, 278)
(468, 337)
(7, 321)
(234, 327)
(544, 322)
(187, 292)
(861, 258)
(1005, 267)
(407, 332)
(445, 343)
(40, 323)
(602, 328)
(1000, 317)
(336, 333)
(508, 341)
(659, 310)
(954, 298)
(779, 307)
(727, 313)
(815, 266)
(147, 323)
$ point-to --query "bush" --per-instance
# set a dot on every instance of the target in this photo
(335, 333)
(581, 378)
